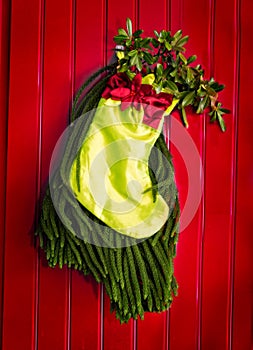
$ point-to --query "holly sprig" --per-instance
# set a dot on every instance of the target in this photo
(163, 55)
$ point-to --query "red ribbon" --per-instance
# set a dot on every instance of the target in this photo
(121, 88)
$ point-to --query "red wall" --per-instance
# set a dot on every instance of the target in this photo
(47, 49)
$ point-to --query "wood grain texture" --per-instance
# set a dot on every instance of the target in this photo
(53, 315)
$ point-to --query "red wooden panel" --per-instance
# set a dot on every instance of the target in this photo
(86, 305)
(90, 42)
(150, 22)
(117, 13)
(116, 335)
(185, 312)
(19, 313)
(152, 332)
(51, 308)
(219, 191)
(243, 283)
(53, 329)
(4, 90)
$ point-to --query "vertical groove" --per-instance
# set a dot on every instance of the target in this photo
(166, 130)
(135, 334)
(104, 31)
(68, 316)
(101, 310)
(72, 89)
(181, 13)
(211, 37)
(38, 166)
(104, 62)
(8, 48)
(168, 14)
(236, 89)
(136, 13)
(167, 7)
(136, 4)
(167, 339)
(201, 238)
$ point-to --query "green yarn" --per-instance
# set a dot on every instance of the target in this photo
(137, 278)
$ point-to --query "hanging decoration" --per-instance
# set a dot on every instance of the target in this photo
(111, 208)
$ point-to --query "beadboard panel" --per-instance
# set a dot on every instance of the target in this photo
(48, 49)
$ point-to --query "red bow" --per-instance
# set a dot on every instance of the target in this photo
(121, 88)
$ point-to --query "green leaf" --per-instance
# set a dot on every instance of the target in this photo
(156, 33)
(221, 122)
(139, 64)
(129, 26)
(202, 104)
(179, 48)
(163, 34)
(133, 60)
(137, 33)
(213, 116)
(171, 85)
(132, 53)
(184, 117)
(124, 67)
(145, 43)
(188, 99)
(148, 57)
(119, 39)
(158, 87)
(173, 73)
(217, 87)
(159, 70)
(182, 57)
(155, 43)
(168, 46)
(122, 32)
(177, 35)
(189, 75)
(224, 110)
(191, 59)
(183, 41)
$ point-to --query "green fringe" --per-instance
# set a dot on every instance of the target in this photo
(138, 278)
